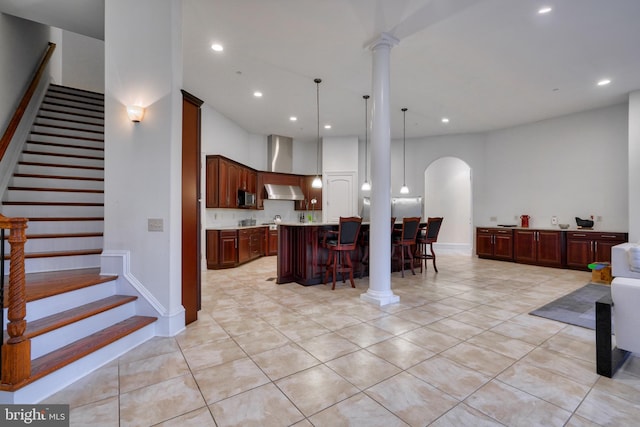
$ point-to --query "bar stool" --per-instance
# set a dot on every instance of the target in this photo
(339, 259)
(364, 244)
(428, 235)
(405, 240)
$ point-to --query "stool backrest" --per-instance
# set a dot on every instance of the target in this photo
(410, 227)
(433, 228)
(348, 229)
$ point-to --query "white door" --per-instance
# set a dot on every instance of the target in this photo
(340, 196)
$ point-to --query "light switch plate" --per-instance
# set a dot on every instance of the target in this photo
(155, 224)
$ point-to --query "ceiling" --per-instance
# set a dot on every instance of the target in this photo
(484, 64)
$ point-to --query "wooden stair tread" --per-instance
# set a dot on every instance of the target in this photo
(63, 235)
(73, 156)
(49, 283)
(52, 254)
(67, 120)
(64, 318)
(41, 176)
(70, 353)
(58, 165)
(59, 190)
(67, 218)
(51, 204)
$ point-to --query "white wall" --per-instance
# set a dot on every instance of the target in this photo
(569, 166)
(143, 160)
(634, 167)
(82, 62)
(22, 44)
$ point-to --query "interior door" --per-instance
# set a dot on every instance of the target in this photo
(339, 196)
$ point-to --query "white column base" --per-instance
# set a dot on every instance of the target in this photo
(380, 298)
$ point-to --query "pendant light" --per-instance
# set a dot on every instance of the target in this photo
(404, 189)
(366, 186)
(317, 181)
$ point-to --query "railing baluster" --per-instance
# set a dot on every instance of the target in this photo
(16, 352)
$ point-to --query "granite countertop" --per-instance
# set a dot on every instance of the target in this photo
(552, 228)
(236, 227)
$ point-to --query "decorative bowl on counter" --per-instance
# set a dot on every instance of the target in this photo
(563, 226)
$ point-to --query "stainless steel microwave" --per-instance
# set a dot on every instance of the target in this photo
(246, 199)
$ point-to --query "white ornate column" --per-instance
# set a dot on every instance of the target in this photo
(380, 292)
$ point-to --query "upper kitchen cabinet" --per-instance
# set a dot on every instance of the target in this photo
(310, 193)
(224, 178)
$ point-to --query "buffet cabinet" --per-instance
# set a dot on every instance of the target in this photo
(539, 247)
(584, 247)
(230, 248)
(495, 243)
(574, 249)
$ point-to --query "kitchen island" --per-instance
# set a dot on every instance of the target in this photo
(302, 258)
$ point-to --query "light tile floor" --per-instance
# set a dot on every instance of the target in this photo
(458, 350)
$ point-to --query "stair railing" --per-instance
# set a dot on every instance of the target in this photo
(16, 352)
(24, 102)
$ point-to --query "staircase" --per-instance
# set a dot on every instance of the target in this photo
(76, 319)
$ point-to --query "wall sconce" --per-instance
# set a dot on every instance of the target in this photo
(135, 113)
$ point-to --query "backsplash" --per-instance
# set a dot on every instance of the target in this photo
(231, 217)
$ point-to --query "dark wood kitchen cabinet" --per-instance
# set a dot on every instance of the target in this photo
(224, 178)
(230, 248)
(272, 242)
(309, 194)
(539, 247)
(494, 243)
(587, 246)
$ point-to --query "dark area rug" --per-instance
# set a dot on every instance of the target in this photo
(577, 308)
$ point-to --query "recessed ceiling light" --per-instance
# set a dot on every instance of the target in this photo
(544, 10)
(604, 82)
(257, 94)
(327, 126)
(445, 120)
(293, 118)
(217, 47)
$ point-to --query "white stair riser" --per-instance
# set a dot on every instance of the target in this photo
(29, 211)
(69, 116)
(74, 142)
(37, 182)
(40, 128)
(66, 150)
(76, 103)
(60, 337)
(58, 227)
(78, 92)
(65, 136)
(55, 304)
(75, 97)
(53, 196)
(62, 161)
(59, 244)
(59, 122)
(72, 110)
(37, 265)
(56, 170)
(38, 390)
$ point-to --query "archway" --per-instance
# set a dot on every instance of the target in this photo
(447, 184)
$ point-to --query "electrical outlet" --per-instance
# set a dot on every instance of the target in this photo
(554, 220)
(599, 218)
(155, 224)
(516, 217)
(493, 218)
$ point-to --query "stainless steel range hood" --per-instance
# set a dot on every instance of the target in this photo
(279, 153)
(283, 192)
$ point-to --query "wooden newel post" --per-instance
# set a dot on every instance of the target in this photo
(16, 353)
